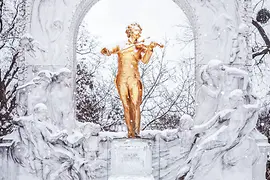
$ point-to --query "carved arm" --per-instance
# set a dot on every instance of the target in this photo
(222, 115)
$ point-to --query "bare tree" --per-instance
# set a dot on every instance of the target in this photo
(159, 106)
(12, 24)
(168, 105)
(94, 96)
(261, 70)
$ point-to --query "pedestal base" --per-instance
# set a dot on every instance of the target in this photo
(131, 178)
(131, 159)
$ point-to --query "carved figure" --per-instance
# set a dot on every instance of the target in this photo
(128, 83)
(37, 90)
(218, 81)
(234, 78)
(61, 97)
(208, 94)
(228, 133)
(48, 153)
(33, 50)
(239, 45)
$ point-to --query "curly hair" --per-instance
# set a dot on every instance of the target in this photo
(129, 29)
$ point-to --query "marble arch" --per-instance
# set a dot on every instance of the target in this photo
(217, 26)
(85, 6)
(221, 29)
(54, 25)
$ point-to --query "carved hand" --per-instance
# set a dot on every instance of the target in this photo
(225, 115)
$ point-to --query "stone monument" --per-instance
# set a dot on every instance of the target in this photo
(82, 152)
(131, 159)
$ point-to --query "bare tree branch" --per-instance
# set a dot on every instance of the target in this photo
(262, 33)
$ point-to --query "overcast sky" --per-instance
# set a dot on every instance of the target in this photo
(108, 19)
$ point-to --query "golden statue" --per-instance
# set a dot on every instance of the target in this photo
(128, 82)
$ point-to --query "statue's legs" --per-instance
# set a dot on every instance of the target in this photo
(124, 96)
(135, 87)
(131, 113)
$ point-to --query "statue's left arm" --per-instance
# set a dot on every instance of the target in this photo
(149, 51)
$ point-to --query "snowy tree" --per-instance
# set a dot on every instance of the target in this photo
(95, 100)
(261, 50)
(161, 108)
(261, 70)
(12, 24)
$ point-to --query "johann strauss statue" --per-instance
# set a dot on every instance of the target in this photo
(128, 83)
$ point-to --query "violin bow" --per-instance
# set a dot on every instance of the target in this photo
(137, 44)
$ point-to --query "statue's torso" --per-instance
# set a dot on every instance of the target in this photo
(128, 63)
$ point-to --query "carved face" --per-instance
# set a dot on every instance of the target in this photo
(236, 98)
(214, 72)
(65, 78)
(214, 69)
(41, 112)
(26, 44)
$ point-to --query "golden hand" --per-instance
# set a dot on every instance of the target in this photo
(106, 52)
(152, 45)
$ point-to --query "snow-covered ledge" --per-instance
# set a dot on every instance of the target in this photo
(221, 141)
(91, 157)
(260, 166)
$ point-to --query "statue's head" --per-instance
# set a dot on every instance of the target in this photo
(236, 98)
(40, 112)
(214, 67)
(26, 42)
(186, 122)
(64, 75)
(134, 31)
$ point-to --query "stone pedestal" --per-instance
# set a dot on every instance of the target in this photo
(259, 167)
(131, 159)
(8, 169)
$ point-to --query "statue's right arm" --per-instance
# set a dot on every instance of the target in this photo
(108, 52)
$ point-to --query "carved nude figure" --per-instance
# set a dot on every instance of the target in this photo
(61, 98)
(226, 134)
(189, 131)
(234, 78)
(128, 83)
(38, 88)
(218, 81)
(209, 93)
(42, 137)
